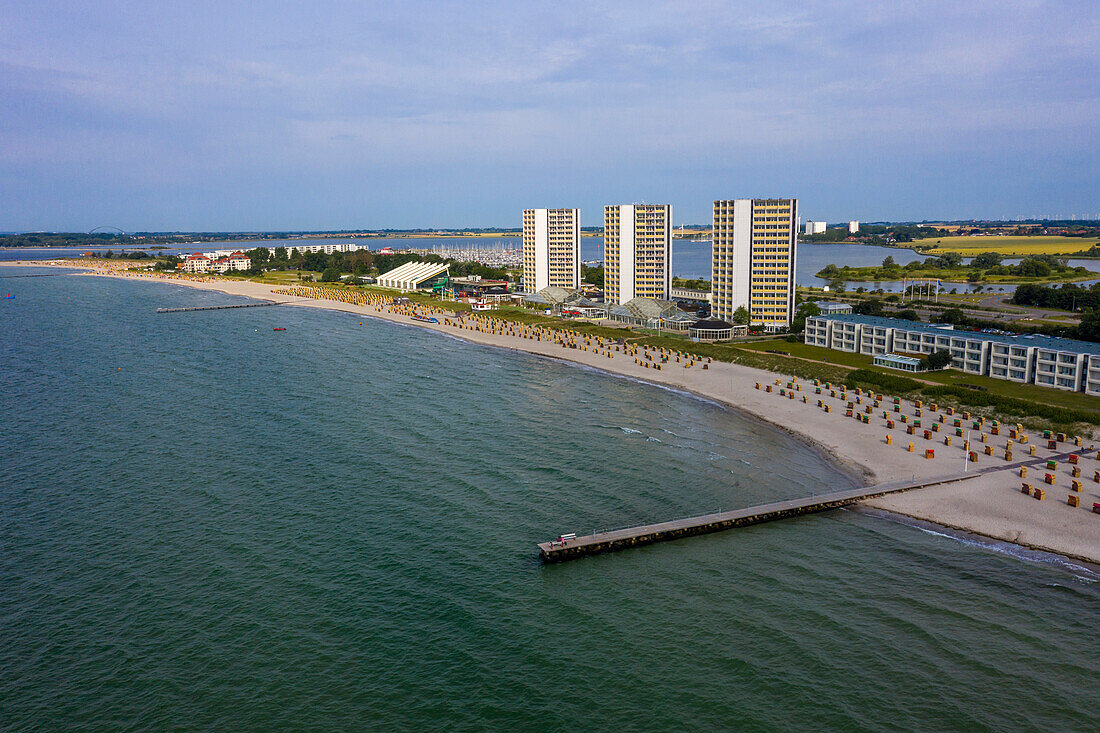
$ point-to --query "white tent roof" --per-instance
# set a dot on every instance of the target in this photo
(409, 275)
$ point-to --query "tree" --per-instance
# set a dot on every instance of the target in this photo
(330, 275)
(259, 257)
(889, 262)
(1089, 328)
(593, 275)
(805, 310)
(908, 314)
(829, 272)
(740, 316)
(279, 259)
(1033, 267)
(985, 260)
(951, 260)
(869, 307)
(937, 360)
(953, 316)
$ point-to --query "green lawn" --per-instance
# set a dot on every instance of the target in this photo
(1030, 392)
(807, 351)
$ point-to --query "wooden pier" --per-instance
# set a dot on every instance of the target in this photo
(218, 307)
(573, 547)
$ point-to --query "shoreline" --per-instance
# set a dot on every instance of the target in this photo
(857, 473)
(990, 506)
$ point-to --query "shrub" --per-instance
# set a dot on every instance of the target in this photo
(887, 382)
(1014, 405)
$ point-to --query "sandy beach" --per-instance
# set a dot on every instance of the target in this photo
(991, 504)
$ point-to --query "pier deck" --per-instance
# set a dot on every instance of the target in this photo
(647, 534)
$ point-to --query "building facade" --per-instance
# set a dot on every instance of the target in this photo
(754, 244)
(551, 249)
(1028, 359)
(853, 227)
(815, 227)
(637, 252)
(199, 263)
(416, 276)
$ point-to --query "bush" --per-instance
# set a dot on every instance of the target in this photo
(1014, 405)
(887, 382)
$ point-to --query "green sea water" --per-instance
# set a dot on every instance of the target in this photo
(209, 525)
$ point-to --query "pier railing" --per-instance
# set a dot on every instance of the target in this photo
(647, 534)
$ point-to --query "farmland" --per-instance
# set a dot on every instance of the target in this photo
(1007, 246)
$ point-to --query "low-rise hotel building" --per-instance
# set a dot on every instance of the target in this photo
(198, 263)
(637, 252)
(551, 249)
(754, 243)
(1025, 358)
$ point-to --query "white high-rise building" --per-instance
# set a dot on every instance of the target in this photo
(815, 227)
(637, 251)
(754, 243)
(853, 227)
(551, 249)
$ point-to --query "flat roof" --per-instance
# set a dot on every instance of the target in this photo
(481, 281)
(898, 357)
(1051, 343)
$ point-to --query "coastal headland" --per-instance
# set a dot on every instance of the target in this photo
(875, 449)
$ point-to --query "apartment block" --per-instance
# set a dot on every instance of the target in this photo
(1092, 375)
(1028, 359)
(551, 249)
(753, 258)
(637, 252)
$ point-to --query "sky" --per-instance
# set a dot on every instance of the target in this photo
(243, 116)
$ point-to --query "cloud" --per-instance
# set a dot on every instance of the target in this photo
(612, 92)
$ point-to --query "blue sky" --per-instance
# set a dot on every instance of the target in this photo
(291, 115)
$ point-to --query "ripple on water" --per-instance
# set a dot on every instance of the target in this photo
(335, 524)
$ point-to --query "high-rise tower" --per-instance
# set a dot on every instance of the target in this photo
(551, 249)
(753, 260)
(637, 251)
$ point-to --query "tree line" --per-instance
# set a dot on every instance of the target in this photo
(878, 234)
(360, 262)
(1068, 297)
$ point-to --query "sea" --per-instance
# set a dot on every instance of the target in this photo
(689, 259)
(207, 524)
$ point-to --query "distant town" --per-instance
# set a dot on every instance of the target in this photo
(1041, 334)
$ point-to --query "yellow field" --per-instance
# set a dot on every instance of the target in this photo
(1009, 246)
